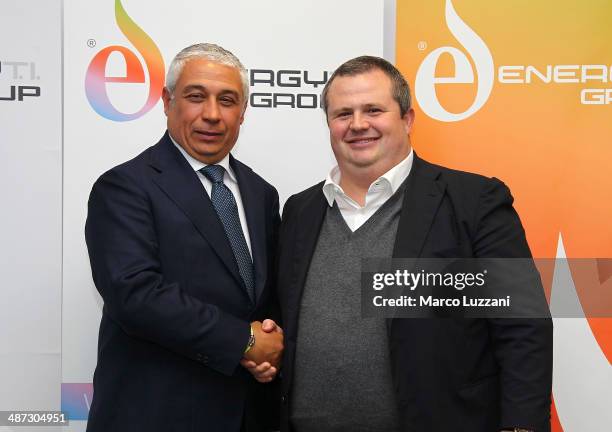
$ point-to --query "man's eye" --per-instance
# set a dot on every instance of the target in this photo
(344, 114)
(374, 110)
(227, 101)
(195, 97)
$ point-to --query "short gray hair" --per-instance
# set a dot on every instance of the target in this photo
(206, 51)
(400, 90)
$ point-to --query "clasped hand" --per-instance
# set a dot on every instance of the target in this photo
(264, 358)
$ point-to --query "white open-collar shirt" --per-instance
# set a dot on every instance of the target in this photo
(378, 193)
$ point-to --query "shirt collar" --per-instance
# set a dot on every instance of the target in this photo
(197, 165)
(393, 178)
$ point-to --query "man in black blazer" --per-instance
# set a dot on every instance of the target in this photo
(181, 241)
(451, 374)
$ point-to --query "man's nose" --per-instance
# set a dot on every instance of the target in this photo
(359, 122)
(210, 111)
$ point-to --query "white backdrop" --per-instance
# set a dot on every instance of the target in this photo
(30, 218)
(287, 146)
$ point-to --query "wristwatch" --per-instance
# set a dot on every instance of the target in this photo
(251, 341)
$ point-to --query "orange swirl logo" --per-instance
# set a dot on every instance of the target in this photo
(426, 80)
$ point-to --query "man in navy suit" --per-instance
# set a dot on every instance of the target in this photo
(181, 241)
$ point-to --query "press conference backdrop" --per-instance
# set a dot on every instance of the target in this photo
(520, 91)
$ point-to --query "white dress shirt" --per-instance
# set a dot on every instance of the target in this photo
(378, 193)
(229, 180)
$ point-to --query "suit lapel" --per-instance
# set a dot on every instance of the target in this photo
(254, 209)
(182, 185)
(423, 195)
(422, 198)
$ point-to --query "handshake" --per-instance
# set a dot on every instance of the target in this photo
(263, 358)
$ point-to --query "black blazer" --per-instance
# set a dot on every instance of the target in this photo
(176, 315)
(473, 375)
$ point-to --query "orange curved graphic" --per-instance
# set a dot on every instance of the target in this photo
(545, 126)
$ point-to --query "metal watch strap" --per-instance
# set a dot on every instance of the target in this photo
(251, 341)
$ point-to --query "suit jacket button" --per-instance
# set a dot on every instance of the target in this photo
(284, 400)
(205, 360)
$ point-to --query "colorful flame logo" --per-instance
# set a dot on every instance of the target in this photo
(96, 79)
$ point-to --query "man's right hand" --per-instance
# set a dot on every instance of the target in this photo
(268, 346)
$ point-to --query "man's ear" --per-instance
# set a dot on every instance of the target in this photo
(408, 120)
(243, 111)
(166, 98)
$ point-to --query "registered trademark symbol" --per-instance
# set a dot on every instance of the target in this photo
(91, 43)
(422, 46)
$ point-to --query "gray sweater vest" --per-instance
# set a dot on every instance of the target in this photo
(342, 378)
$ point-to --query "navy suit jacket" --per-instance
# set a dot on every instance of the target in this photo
(452, 374)
(176, 314)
